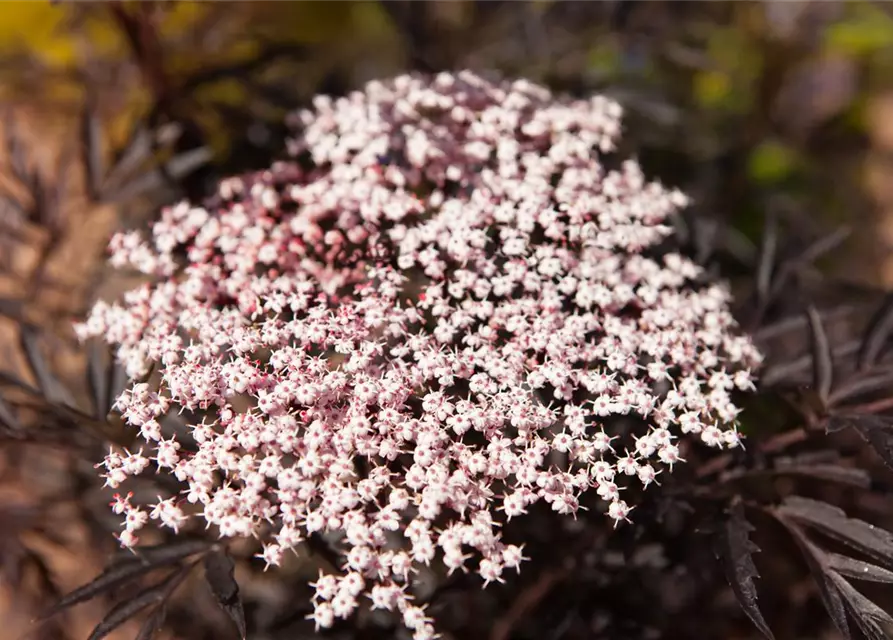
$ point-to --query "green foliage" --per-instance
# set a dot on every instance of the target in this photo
(867, 30)
(771, 162)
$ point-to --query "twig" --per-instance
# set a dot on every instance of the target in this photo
(142, 37)
(528, 599)
(410, 19)
(771, 445)
(872, 407)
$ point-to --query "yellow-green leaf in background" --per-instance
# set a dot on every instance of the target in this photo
(771, 162)
(727, 82)
(38, 27)
(183, 16)
(867, 31)
(712, 88)
(305, 22)
(604, 58)
(855, 117)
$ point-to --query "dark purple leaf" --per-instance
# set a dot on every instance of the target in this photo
(830, 472)
(812, 253)
(833, 522)
(41, 212)
(860, 385)
(58, 195)
(411, 22)
(791, 370)
(16, 209)
(817, 456)
(879, 328)
(840, 421)
(91, 145)
(877, 431)
(874, 622)
(129, 568)
(171, 552)
(219, 570)
(736, 551)
(859, 570)
(767, 257)
(98, 381)
(117, 381)
(796, 323)
(8, 417)
(822, 371)
(821, 573)
(153, 624)
(145, 183)
(18, 383)
(135, 154)
(48, 383)
(485, 10)
(568, 12)
(105, 582)
(10, 308)
(126, 610)
(16, 151)
(242, 68)
(822, 246)
(187, 162)
(620, 13)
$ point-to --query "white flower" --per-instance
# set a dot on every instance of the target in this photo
(459, 301)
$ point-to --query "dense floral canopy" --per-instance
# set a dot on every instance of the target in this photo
(429, 319)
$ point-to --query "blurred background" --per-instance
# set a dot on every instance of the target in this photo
(776, 110)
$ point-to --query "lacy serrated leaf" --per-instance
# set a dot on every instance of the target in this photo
(874, 622)
(171, 552)
(124, 611)
(824, 245)
(879, 328)
(219, 574)
(153, 623)
(127, 569)
(812, 253)
(821, 573)
(796, 323)
(833, 522)
(736, 551)
(861, 385)
(790, 372)
(48, 383)
(881, 440)
(105, 582)
(830, 472)
(135, 154)
(877, 431)
(858, 569)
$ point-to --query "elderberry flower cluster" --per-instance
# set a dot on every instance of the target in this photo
(444, 309)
